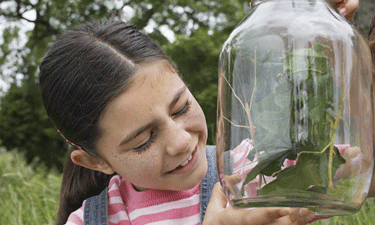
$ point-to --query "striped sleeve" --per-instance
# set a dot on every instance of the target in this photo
(76, 217)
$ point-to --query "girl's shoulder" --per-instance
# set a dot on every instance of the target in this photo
(77, 217)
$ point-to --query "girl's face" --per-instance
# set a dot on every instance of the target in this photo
(154, 133)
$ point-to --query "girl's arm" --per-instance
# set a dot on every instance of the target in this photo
(217, 213)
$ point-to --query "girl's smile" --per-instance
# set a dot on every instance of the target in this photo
(187, 165)
(154, 133)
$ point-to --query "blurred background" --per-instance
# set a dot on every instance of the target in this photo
(191, 32)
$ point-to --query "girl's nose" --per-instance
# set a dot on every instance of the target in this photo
(179, 140)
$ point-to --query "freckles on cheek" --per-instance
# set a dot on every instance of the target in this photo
(147, 165)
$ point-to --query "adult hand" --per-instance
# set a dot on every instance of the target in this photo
(352, 166)
(347, 8)
(218, 214)
(355, 164)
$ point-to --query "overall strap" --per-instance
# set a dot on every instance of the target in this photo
(96, 209)
(208, 182)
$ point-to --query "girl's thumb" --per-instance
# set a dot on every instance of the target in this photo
(218, 200)
(216, 205)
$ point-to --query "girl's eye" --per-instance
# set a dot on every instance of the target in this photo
(147, 144)
(183, 110)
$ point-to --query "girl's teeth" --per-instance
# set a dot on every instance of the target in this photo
(185, 163)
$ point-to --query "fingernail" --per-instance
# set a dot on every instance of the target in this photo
(304, 212)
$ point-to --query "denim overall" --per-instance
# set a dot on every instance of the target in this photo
(96, 208)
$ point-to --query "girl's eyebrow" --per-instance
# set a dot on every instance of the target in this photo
(137, 132)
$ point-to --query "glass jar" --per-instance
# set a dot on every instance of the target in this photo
(295, 117)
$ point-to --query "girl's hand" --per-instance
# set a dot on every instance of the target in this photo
(218, 214)
(347, 8)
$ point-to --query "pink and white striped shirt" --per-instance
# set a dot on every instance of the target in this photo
(154, 207)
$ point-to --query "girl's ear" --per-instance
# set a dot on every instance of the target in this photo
(83, 159)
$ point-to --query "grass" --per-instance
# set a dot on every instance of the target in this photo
(27, 195)
(30, 196)
(366, 216)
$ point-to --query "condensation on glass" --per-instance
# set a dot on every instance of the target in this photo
(295, 118)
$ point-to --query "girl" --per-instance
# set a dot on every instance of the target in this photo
(137, 135)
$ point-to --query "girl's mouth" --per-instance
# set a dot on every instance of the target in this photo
(186, 165)
(186, 162)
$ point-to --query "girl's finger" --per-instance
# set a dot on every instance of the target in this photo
(217, 211)
(218, 200)
(297, 216)
(301, 216)
(258, 216)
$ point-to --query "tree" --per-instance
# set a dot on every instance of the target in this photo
(199, 27)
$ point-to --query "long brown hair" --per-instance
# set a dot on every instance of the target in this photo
(82, 72)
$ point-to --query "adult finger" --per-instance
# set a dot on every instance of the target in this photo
(347, 8)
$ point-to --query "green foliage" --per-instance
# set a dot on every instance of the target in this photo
(9, 34)
(294, 123)
(26, 127)
(27, 196)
